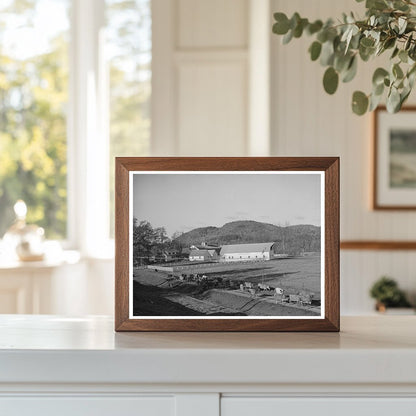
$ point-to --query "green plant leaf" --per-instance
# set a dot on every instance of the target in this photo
(408, 42)
(393, 101)
(389, 43)
(281, 27)
(330, 80)
(376, 4)
(395, 52)
(327, 53)
(403, 56)
(298, 30)
(315, 50)
(367, 42)
(379, 75)
(359, 103)
(314, 27)
(397, 71)
(288, 37)
(351, 71)
(378, 89)
(341, 61)
(374, 102)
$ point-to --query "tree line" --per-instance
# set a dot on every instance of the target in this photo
(150, 242)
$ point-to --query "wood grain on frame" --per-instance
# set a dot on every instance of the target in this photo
(375, 203)
(330, 165)
(378, 245)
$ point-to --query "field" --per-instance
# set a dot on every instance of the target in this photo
(171, 297)
(403, 170)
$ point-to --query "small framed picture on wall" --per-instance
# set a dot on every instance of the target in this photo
(394, 178)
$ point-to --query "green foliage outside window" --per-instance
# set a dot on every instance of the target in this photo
(34, 103)
(33, 99)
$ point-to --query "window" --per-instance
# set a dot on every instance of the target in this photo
(129, 43)
(74, 93)
(33, 104)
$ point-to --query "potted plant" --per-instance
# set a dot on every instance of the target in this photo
(387, 294)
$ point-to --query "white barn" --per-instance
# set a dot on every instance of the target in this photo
(247, 252)
(203, 255)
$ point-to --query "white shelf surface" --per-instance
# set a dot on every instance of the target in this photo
(53, 349)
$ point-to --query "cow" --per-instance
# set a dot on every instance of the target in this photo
(278, 291)
(248, 285)
(262, 286)
(294, 298)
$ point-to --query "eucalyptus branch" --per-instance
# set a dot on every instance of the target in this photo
(388, 25)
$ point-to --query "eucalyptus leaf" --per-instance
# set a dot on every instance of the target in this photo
(408, 42)
(374, 102)
(395, 52)
(359, 103)
(327, 53)
(379, 75)
(350, 73)
(397, 71)
(298, 30)
(404, 96)
(378, 89)
(376, 4)
(315, 50)
(402, 22)
(393, 101)
(403, 56)
(288, 37)
(389, 43)
(281, 26)
(314, 27)
(330, 80)
(367, 42)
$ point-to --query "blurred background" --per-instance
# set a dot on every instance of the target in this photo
(83, 81)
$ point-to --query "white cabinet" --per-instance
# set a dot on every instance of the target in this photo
(53, 365)
(87, 406)
(269, 406)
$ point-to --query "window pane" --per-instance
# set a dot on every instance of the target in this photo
(129, 46)
(33, 100)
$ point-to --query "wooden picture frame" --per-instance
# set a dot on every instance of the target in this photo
(391, 190)
(137, 172)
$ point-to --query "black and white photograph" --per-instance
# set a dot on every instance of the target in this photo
(226, 244)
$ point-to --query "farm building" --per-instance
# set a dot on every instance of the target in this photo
(203, 255)
(240, 252)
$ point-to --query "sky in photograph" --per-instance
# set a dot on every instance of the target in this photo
(182, 202)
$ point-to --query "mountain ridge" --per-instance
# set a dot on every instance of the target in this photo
(291, 239)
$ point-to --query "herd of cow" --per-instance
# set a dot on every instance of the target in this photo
(299, 298)
(251, 288)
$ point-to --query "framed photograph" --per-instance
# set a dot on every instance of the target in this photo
(227, 244)
(394, 176)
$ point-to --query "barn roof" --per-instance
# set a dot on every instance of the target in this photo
(205, 253)
(246, 248)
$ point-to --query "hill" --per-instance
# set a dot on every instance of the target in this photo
(292, 239)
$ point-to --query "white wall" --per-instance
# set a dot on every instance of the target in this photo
(308, 122)
(201, 82)
(211, 93)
